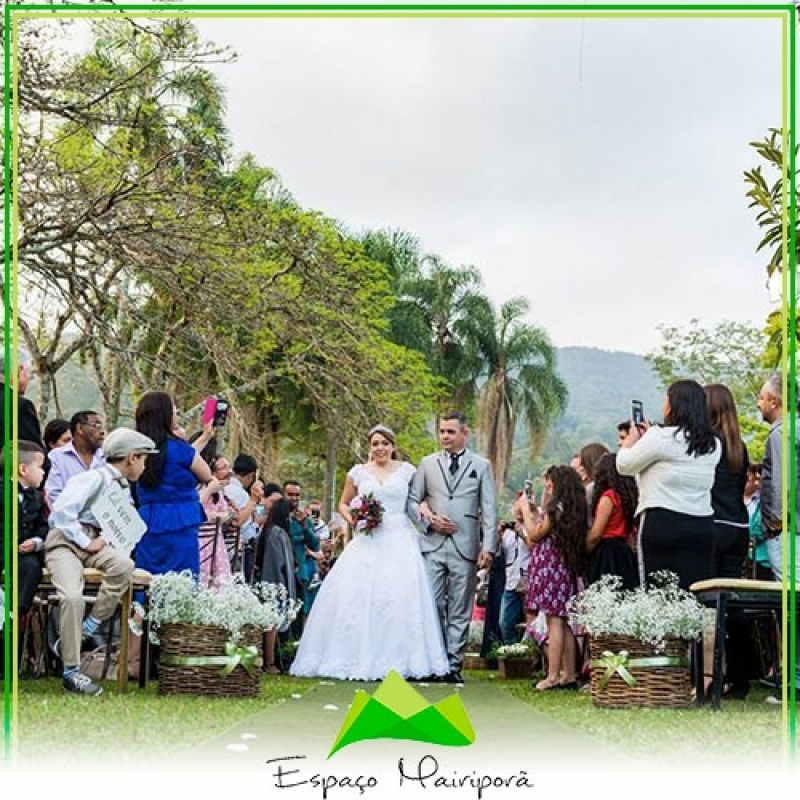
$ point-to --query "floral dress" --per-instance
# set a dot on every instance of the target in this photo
(550, 584)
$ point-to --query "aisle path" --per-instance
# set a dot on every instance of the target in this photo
(510, 735)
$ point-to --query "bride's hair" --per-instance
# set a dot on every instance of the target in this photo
(387, 433)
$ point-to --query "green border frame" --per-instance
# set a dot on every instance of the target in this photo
(786, 12)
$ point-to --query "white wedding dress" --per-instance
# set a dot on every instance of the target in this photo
(375, 610)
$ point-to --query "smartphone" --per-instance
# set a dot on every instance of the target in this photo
(220, 412)
(209, 409)
(637, 412)
(528, 488)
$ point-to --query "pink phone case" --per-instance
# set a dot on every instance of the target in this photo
(209, 409)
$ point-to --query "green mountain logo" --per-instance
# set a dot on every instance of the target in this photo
(398, 711)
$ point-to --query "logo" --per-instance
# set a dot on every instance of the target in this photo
(398, 711)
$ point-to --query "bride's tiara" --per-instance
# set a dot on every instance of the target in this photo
(387, 432)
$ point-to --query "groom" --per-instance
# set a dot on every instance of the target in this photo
(458, 489)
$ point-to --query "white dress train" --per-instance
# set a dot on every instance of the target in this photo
(375, 610)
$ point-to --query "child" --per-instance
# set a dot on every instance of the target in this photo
(613, 512)
(32, 523)
(75, 541)
(557, 539)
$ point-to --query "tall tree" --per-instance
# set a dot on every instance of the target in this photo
(517, 379)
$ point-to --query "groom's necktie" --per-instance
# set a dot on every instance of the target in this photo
(454, 457)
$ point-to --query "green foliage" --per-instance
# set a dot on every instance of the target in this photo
(731, 353)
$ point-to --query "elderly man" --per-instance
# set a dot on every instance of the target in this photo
(28, 425)
(80, 455)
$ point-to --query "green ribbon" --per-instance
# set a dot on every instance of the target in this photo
(234, 655)
(618, 663)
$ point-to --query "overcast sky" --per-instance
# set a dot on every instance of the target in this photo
(594, 166)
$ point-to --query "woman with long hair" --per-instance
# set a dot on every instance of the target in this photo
(169, 502)
(557, 539)
(274, 563)
(614, 503)
(731, 528)
(675, 464)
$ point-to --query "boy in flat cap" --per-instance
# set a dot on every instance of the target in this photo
(75, 541)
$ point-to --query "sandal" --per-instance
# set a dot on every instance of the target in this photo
(270, 669)
(546, 684)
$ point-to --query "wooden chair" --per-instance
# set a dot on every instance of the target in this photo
(723, 594)
(92, 579)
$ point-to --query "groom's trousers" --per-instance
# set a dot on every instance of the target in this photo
(453, 579)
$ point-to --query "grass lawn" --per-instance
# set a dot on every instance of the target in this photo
(750, 729)
(143, 725)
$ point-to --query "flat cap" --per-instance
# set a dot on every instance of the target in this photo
(124, 441)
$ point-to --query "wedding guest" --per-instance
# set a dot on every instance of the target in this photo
(675, 465)
(557, 539)
(731, 530)
(75, 541)
(274, 563)
(32, 525)
(516, 558)
(56, 433)
(169, 502)
(82, 453)
(589, 455)
(28, 425)
(614, 501)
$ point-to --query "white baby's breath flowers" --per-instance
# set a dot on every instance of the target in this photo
(176, 597)
(651, 615)
(517, 650)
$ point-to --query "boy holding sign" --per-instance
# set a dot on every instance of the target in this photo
(94, 511)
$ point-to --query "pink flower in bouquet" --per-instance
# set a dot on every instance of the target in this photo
(367, 512)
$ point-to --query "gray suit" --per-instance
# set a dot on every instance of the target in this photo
(467, 498)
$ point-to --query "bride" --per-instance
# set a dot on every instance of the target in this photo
(375, 610)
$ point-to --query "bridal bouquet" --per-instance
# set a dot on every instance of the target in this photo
(367, 512)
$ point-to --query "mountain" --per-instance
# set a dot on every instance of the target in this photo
(601, 385)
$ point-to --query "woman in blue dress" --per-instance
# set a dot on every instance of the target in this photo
(167, 492)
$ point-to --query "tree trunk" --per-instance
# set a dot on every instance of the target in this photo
(329, 491)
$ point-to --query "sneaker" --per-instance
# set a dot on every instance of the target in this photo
(89, 642)
(78, 683)
(773, 700)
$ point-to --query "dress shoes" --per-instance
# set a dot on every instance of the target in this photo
(454, 676)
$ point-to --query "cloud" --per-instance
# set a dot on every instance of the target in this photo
(563, 158)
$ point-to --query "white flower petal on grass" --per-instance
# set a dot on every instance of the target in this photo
(249, 736)
(237, 748)
(296, 696)
(327, 683)
(330, 707)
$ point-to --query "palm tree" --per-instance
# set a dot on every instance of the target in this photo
(518, 374)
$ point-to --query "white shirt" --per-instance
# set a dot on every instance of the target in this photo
(668, 477)
(240, 497)
(71, 509)
(517, 557)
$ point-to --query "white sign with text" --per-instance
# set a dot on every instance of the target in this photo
(119, 520)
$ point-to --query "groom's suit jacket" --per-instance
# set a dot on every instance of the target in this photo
(467, 498)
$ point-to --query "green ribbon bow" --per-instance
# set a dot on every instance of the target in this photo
(614, 663)
(235, 654)
(618, 663)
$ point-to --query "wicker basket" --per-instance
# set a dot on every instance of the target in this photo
(656, 686)
(207, 642)
(475, 661)
(513, 668)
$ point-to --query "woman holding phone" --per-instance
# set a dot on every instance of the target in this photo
(675, 464)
